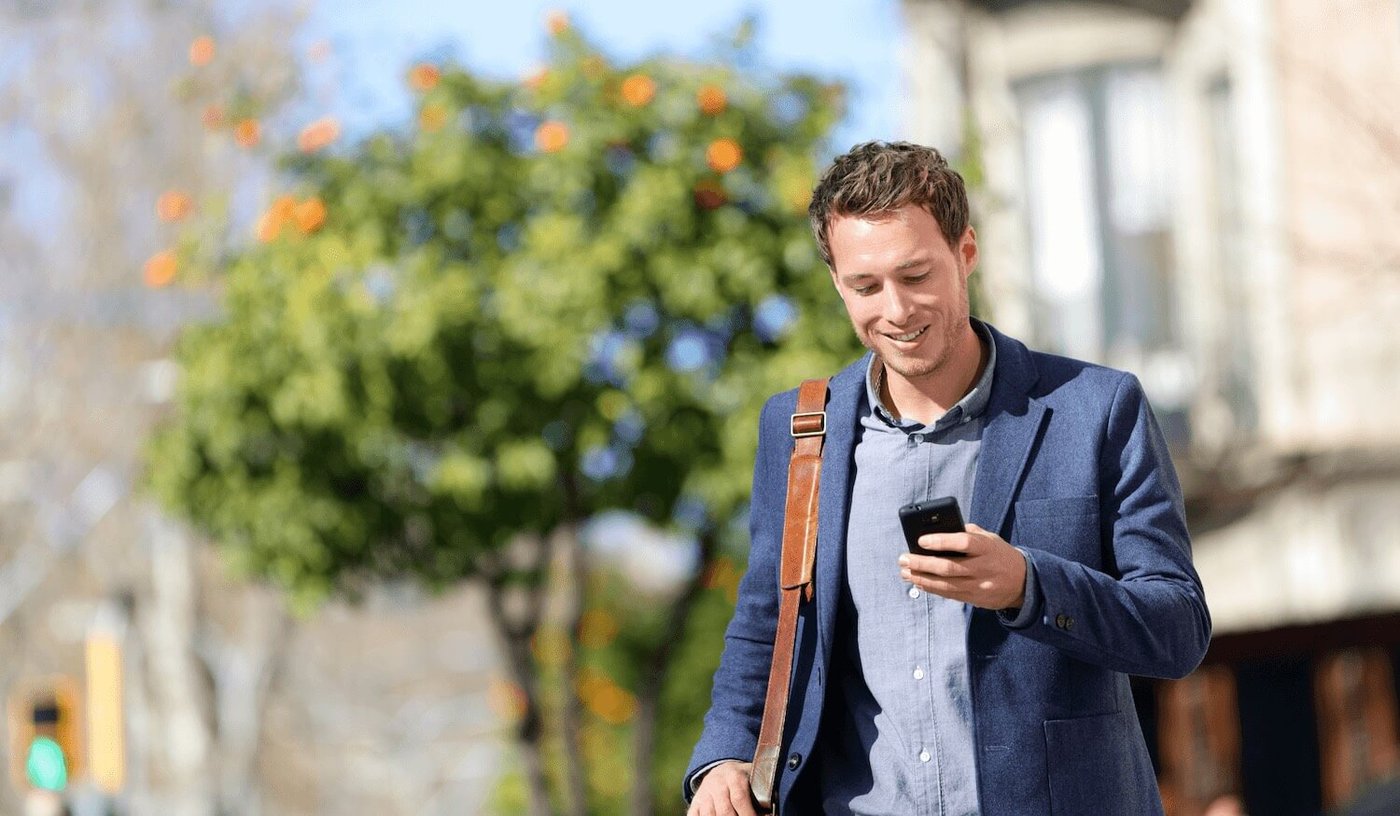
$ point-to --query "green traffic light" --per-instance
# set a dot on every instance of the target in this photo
(46, 766)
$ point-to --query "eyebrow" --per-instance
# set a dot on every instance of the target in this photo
(909, 264)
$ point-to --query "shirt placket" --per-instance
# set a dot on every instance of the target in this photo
(928, 754)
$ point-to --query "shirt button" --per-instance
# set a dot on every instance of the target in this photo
(924, 756)
(918, 673)
(913, 592)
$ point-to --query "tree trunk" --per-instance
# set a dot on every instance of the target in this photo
(575, 578)
(529, 733)
(515, 636)
(242, 660)
(181, 746)
(643, 801)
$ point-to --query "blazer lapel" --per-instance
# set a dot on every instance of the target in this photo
(843, 410)
(1012, 422)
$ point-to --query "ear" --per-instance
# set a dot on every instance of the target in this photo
(967, 250)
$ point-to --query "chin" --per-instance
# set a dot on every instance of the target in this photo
(911, 368)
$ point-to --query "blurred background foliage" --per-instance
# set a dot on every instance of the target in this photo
(450, 347)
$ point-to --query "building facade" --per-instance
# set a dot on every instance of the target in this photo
(1204, 192)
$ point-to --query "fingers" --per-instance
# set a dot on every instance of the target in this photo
(946, 542)
(934, 565)
(990, 574)
(974, 541)
(704, 805)
(724, 791)
(741, 800)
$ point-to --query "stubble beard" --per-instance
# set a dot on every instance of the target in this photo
(914, 368)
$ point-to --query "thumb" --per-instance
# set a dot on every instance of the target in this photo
(973, 528)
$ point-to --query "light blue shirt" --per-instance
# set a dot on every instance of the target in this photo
(898, 735)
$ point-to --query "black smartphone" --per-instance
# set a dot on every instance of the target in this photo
(932, 516)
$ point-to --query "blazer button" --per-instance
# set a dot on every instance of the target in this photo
(1062, 621)
(794, 761)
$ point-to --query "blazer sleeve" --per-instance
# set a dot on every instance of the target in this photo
(1146, 614)
(736, 708)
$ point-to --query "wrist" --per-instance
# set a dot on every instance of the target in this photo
(1018, 600)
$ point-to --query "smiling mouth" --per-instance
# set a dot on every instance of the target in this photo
(907, 338)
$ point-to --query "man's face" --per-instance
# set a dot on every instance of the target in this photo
(904, 288)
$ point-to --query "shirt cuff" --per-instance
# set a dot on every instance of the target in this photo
(704, 769)
(1030, 607)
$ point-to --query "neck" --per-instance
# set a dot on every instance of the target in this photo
(927, 398)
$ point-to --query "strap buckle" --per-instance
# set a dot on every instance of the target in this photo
(807, 429)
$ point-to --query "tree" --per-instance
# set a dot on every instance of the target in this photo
(91, 144)
(456, 342)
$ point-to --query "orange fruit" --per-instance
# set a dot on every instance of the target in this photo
(723, 155)
(536, 78)
(173, 205)
(202, 50)
(712, 100)
(270, 223)
(557, 22)
(160, 269)
(638, 90)
(247, 132)
(282, 207)
(309, 215)
(318, 134)
(424, 77)
(552, 137)
(268, 227)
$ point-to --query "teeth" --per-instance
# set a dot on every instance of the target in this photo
(904, 338)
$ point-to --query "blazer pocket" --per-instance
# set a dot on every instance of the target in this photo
(1068, 527)
(1095, 767)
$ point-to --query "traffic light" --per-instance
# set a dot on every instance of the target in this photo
(45, 765)
(105, 723)
(45, 735)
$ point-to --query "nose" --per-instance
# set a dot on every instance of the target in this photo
(898, 305)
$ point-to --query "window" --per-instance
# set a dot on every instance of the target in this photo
(1096, 148)
(1233, 380)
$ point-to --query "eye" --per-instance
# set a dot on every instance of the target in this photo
(917, 278)
(863, 290)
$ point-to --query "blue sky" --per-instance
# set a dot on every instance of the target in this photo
(851, 40)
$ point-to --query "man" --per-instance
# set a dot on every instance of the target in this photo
(995, 682)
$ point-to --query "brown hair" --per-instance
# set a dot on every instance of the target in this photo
(881, 177)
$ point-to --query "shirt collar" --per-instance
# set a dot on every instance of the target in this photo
(972, 404)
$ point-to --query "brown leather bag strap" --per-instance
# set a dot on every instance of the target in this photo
(794, 575)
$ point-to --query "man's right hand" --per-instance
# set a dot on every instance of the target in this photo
(724, 791)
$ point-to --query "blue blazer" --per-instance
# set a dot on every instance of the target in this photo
(1073, 469)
